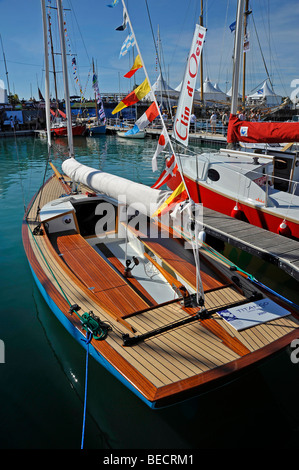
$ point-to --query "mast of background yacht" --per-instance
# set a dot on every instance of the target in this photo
(47, 92)
(65, 78)
(236, 58)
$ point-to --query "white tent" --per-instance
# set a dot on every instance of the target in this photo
(3, 93)
(229, 93)
(178, 88)
(197, 95)
(161, 87)
(210, 93)
(265, 95)
(216, 86)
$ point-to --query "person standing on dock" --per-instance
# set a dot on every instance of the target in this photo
(213, 120)
(224, 120)
(193, 123)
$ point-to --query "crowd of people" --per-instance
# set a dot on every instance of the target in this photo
(218, 119)
(223, 116)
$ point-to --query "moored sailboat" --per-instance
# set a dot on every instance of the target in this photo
(161, 314)
(259, 188)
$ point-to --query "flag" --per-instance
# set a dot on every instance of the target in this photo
(163, 140)
(232, 27)
(246, 46)
(40, 95)
(181, 122)
(137, 65)
(62, 113)
(169, 172)
(178, 195)
(95, 86)
(150, 114)
(129, 42)
(124, 25)
(113, 4)
(133, 97)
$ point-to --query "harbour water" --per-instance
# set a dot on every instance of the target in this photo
(43, 372)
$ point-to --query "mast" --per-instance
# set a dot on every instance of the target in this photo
(246, 13)
(65, 78)
(53, 60)
(6, 72)
(159, 61)
(201, 59)
(237, 55)
(47, 93)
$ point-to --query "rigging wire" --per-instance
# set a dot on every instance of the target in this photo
(157, 55)
(87, 341)
(221, 50)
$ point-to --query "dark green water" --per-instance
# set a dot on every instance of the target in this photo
(43, 377)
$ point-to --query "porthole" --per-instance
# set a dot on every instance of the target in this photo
(213, 174)
(67, 219)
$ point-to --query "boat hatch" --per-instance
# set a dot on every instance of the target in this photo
(282, 172)
(95, 216)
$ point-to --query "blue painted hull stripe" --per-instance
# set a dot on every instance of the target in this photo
(79, 336)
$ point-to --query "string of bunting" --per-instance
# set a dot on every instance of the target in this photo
(74, 63)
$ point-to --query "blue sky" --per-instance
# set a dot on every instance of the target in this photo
(91, 32)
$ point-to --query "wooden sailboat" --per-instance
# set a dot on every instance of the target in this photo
(167, 321)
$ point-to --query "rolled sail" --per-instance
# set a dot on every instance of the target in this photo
(140, 197)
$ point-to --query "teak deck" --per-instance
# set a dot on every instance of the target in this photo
(167, 366)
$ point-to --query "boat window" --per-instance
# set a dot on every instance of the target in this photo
(213, 174)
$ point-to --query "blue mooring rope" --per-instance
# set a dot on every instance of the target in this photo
(87, 341)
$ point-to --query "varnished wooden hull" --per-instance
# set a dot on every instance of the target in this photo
(165, 369)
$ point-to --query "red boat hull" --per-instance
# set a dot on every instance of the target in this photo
(258, 216)
(62, 131)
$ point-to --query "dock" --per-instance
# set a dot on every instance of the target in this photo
(271, 247)
(213, 140)
(19, 133)
(218, 140)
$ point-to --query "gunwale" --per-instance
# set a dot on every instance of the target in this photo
(127, 365)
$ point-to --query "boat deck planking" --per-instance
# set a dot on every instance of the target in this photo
(167, 364)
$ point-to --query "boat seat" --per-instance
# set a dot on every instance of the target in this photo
(110, 288)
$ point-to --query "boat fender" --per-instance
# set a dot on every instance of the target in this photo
(202, 236)
(236, 212)
(284, 229)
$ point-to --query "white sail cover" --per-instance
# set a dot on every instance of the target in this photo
(183, 114)
(136, 195)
